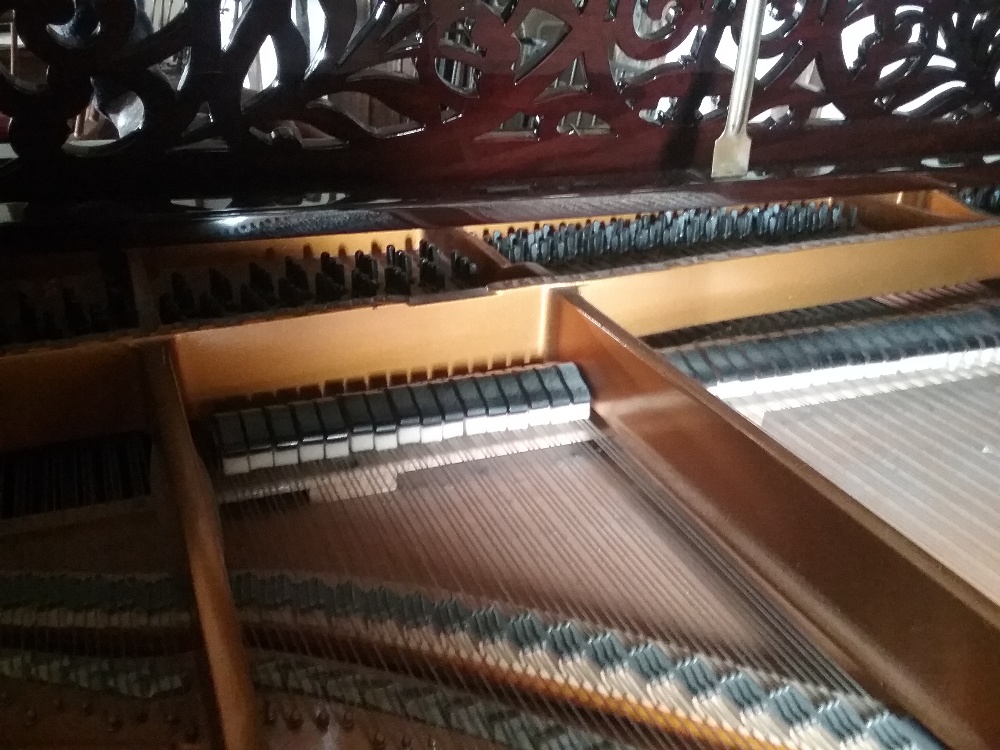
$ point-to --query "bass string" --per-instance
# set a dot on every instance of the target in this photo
(455, 495)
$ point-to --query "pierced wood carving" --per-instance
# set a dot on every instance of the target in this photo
(474, 89)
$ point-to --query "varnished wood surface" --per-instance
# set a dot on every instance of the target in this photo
(69, 393)
(409, 338)
(918, 633)
(813, 273)
(127, 542)
(189, 487)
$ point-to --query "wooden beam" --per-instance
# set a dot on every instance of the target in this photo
(191, 489)
(912, 631)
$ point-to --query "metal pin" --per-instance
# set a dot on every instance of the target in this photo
(731, 157)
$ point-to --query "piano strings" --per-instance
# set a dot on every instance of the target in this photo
(482, 533)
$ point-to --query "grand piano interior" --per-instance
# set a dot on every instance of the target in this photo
(398, 374)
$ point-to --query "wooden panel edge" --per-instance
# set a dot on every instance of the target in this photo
(191, 489)
(720, 289)
(922, 637)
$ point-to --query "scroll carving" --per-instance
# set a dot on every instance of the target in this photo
(489, 88)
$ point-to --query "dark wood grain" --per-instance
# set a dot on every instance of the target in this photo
(292, 133)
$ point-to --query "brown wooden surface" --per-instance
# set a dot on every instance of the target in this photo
(921, 636)
(815, 273)
(242, 359)
(190, 488)
(48, 396)
(129, 541)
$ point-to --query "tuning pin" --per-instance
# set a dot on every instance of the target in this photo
(334, 269)
(99, 321)
(209, 306)
(76, 318)
(262, 283)
(220, 286)
(251, 300)
(362, 285)
(322, 719)
(50, 328)
(296, 274)
(397, 281)
(293, 720)
(328, 289)
(183, 295)
(118, 306)
(115, 723)
(27, 318)
(823, 217)
(430, 276)
(288, 293)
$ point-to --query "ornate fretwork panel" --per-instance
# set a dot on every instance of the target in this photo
(462, 89)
